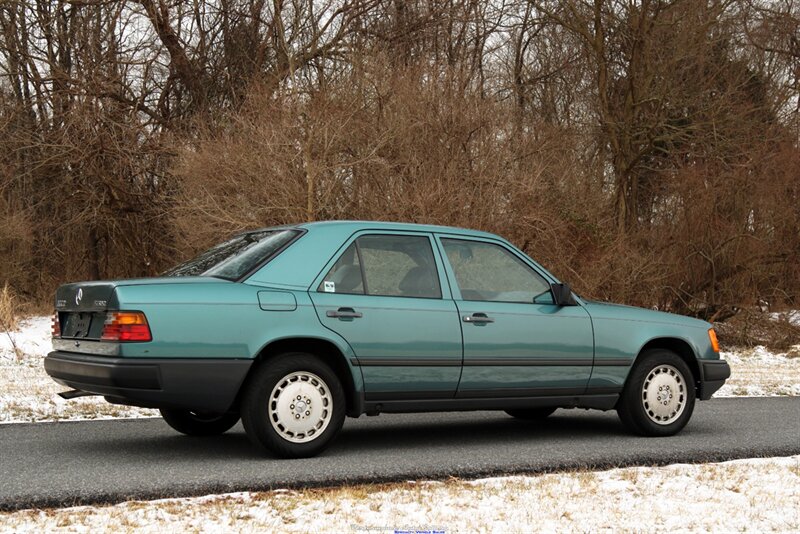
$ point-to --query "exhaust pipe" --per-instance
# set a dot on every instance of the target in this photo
(75, 393)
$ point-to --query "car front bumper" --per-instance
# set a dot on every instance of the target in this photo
(197, 384)
(715, 373)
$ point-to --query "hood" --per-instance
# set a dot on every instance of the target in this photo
(608, 310)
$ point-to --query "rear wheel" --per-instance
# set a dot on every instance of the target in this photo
(199, 423)
(531, 414)
(659, 396)
(293, 406)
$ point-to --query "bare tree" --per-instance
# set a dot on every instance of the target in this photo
(646, 151)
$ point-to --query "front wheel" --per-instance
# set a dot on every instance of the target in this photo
(199, 423)
(659, 396)
(293, 406)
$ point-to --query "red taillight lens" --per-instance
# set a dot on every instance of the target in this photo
(126, 326)
(55, 326)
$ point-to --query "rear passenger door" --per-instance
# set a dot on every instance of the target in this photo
(385, 294)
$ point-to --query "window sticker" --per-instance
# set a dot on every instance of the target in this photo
(329, 287)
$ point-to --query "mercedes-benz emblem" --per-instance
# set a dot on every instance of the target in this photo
(78, 297)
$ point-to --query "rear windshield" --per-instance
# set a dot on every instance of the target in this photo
(236, 257)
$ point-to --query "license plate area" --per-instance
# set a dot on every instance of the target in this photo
(77, 325)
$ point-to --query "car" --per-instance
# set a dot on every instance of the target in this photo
(293, 328)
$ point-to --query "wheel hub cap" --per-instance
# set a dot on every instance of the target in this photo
(300, 407)
(664, 394)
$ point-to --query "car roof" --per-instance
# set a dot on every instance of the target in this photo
(301, 263)
(355, 226)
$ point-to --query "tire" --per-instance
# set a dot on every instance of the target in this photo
(284, 428)
(199, 423)
(531, 414)
(659, 396)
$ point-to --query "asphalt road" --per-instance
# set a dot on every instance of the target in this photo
(59, 464)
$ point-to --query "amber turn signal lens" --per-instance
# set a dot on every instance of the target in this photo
(713, 337)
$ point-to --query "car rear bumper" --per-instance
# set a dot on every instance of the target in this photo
(715, 373)
(177, 383)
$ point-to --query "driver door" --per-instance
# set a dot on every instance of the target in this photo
(517, 342)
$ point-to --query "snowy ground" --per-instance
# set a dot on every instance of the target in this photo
(793, 316)
(28, 394)
(758, 372)
(755, 495)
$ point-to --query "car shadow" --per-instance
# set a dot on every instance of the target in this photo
(466, 433)
(357, 438)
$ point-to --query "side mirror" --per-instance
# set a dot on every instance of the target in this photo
(562, 295)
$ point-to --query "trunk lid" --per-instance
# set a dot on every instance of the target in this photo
(82, 306)
(85, 296)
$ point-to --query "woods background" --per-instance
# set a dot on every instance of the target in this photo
(647, 152)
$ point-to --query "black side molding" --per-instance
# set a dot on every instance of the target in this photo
(598, 402)
(489, 362)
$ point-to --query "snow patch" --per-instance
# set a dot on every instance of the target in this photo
(793, 316)
(759, 354)
(31, 339)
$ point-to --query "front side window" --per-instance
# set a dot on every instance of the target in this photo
(489, 272)
(236, 257)
(385, 265)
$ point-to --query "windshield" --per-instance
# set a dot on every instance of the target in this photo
(236, 257)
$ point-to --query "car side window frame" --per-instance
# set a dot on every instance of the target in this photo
(439, 264)
(362, 278)
(453, 281)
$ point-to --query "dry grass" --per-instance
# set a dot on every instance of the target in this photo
(9, 320)
(8, 310)
(793, 352)
(745, 495)
(750, 328)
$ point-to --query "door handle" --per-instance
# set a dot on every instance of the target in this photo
(479, 318)
(344, 313)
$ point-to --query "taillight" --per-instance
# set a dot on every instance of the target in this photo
(55, 326)
(126, 326)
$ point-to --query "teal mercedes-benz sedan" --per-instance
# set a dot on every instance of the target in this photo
(292, 328)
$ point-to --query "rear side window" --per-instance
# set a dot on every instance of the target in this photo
(385, 265)
(238, 256)
(345, 276)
